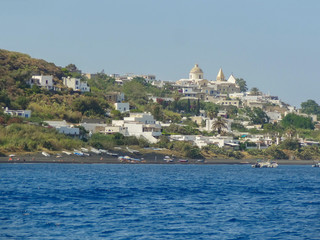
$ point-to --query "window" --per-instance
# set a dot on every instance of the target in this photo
(47, 82)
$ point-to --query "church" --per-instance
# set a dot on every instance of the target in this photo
(212, 88)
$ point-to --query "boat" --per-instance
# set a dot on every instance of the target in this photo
(84, 149)
(112, 154)
(66, 152)
(78, 153)
(132, 150)
(128, 159)
(266, 164)
(45, 154)
(94, 150)
(316, 165)
(183, 160)
(168, 159)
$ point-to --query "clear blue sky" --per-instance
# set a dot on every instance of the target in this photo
(274, 45)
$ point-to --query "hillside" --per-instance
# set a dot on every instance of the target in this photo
(17, 68)
(178, 114)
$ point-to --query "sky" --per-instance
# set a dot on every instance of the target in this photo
(273, 45)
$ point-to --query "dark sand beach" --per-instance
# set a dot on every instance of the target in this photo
(150, 158)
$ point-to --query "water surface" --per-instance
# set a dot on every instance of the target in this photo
(95, 201)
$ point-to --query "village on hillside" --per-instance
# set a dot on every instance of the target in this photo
(219, 116)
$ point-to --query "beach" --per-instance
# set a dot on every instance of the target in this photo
(149, 158)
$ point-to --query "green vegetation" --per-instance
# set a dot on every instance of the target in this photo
(242, 84)
(310, 107)
(19, 137)
(293, 120)
(31, 135)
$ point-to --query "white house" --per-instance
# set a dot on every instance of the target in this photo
(139, 125)
(202, 141)
(274, 116)
(64, 127)
(94, 127)
(18, 113)
(76, 84)
(122, 107)
(109, 129)
(42, 81)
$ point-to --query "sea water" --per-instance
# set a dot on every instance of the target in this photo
(96, 201)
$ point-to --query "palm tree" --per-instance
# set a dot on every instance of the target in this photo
(254, 91)
(219, 124)
(291, 132)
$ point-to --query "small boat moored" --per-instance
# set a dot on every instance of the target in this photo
(267, 164)
(45, 154)
(168, 159)
(183, 160)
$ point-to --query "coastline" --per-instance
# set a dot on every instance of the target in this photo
(150, 158)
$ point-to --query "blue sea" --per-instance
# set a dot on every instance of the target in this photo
(105, 201)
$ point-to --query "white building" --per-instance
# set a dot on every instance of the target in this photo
(64, 127)
(76, 84)
(18, 113)
(139, 125)
(202, 141)
(274, 116)
(195, 78)
(42, 81)
(109, 129)
(122, 107)
(94, 127)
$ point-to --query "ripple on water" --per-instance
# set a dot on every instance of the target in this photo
(50, 201)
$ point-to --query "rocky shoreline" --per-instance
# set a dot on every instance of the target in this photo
(150, 158)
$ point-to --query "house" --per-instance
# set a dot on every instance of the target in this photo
(139, 125)
(94, 127)
(202, 141)
(122, 107)
(76, 84)
(274, 117)
(64, 127)
(115, 97)
(43, 81)
(18, 113)
(109, 129)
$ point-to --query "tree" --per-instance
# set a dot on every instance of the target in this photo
(242, 84)
(188, 106)
(219, 124)
(211, 109)
(88, 106)
(258, 116)
(291, 131)
(310, 107)
(72, 68)
(254, 91)
(157, 112)
(135, 91)
(198, 107)
(290, 144)
(140, 80)
(293, 120)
